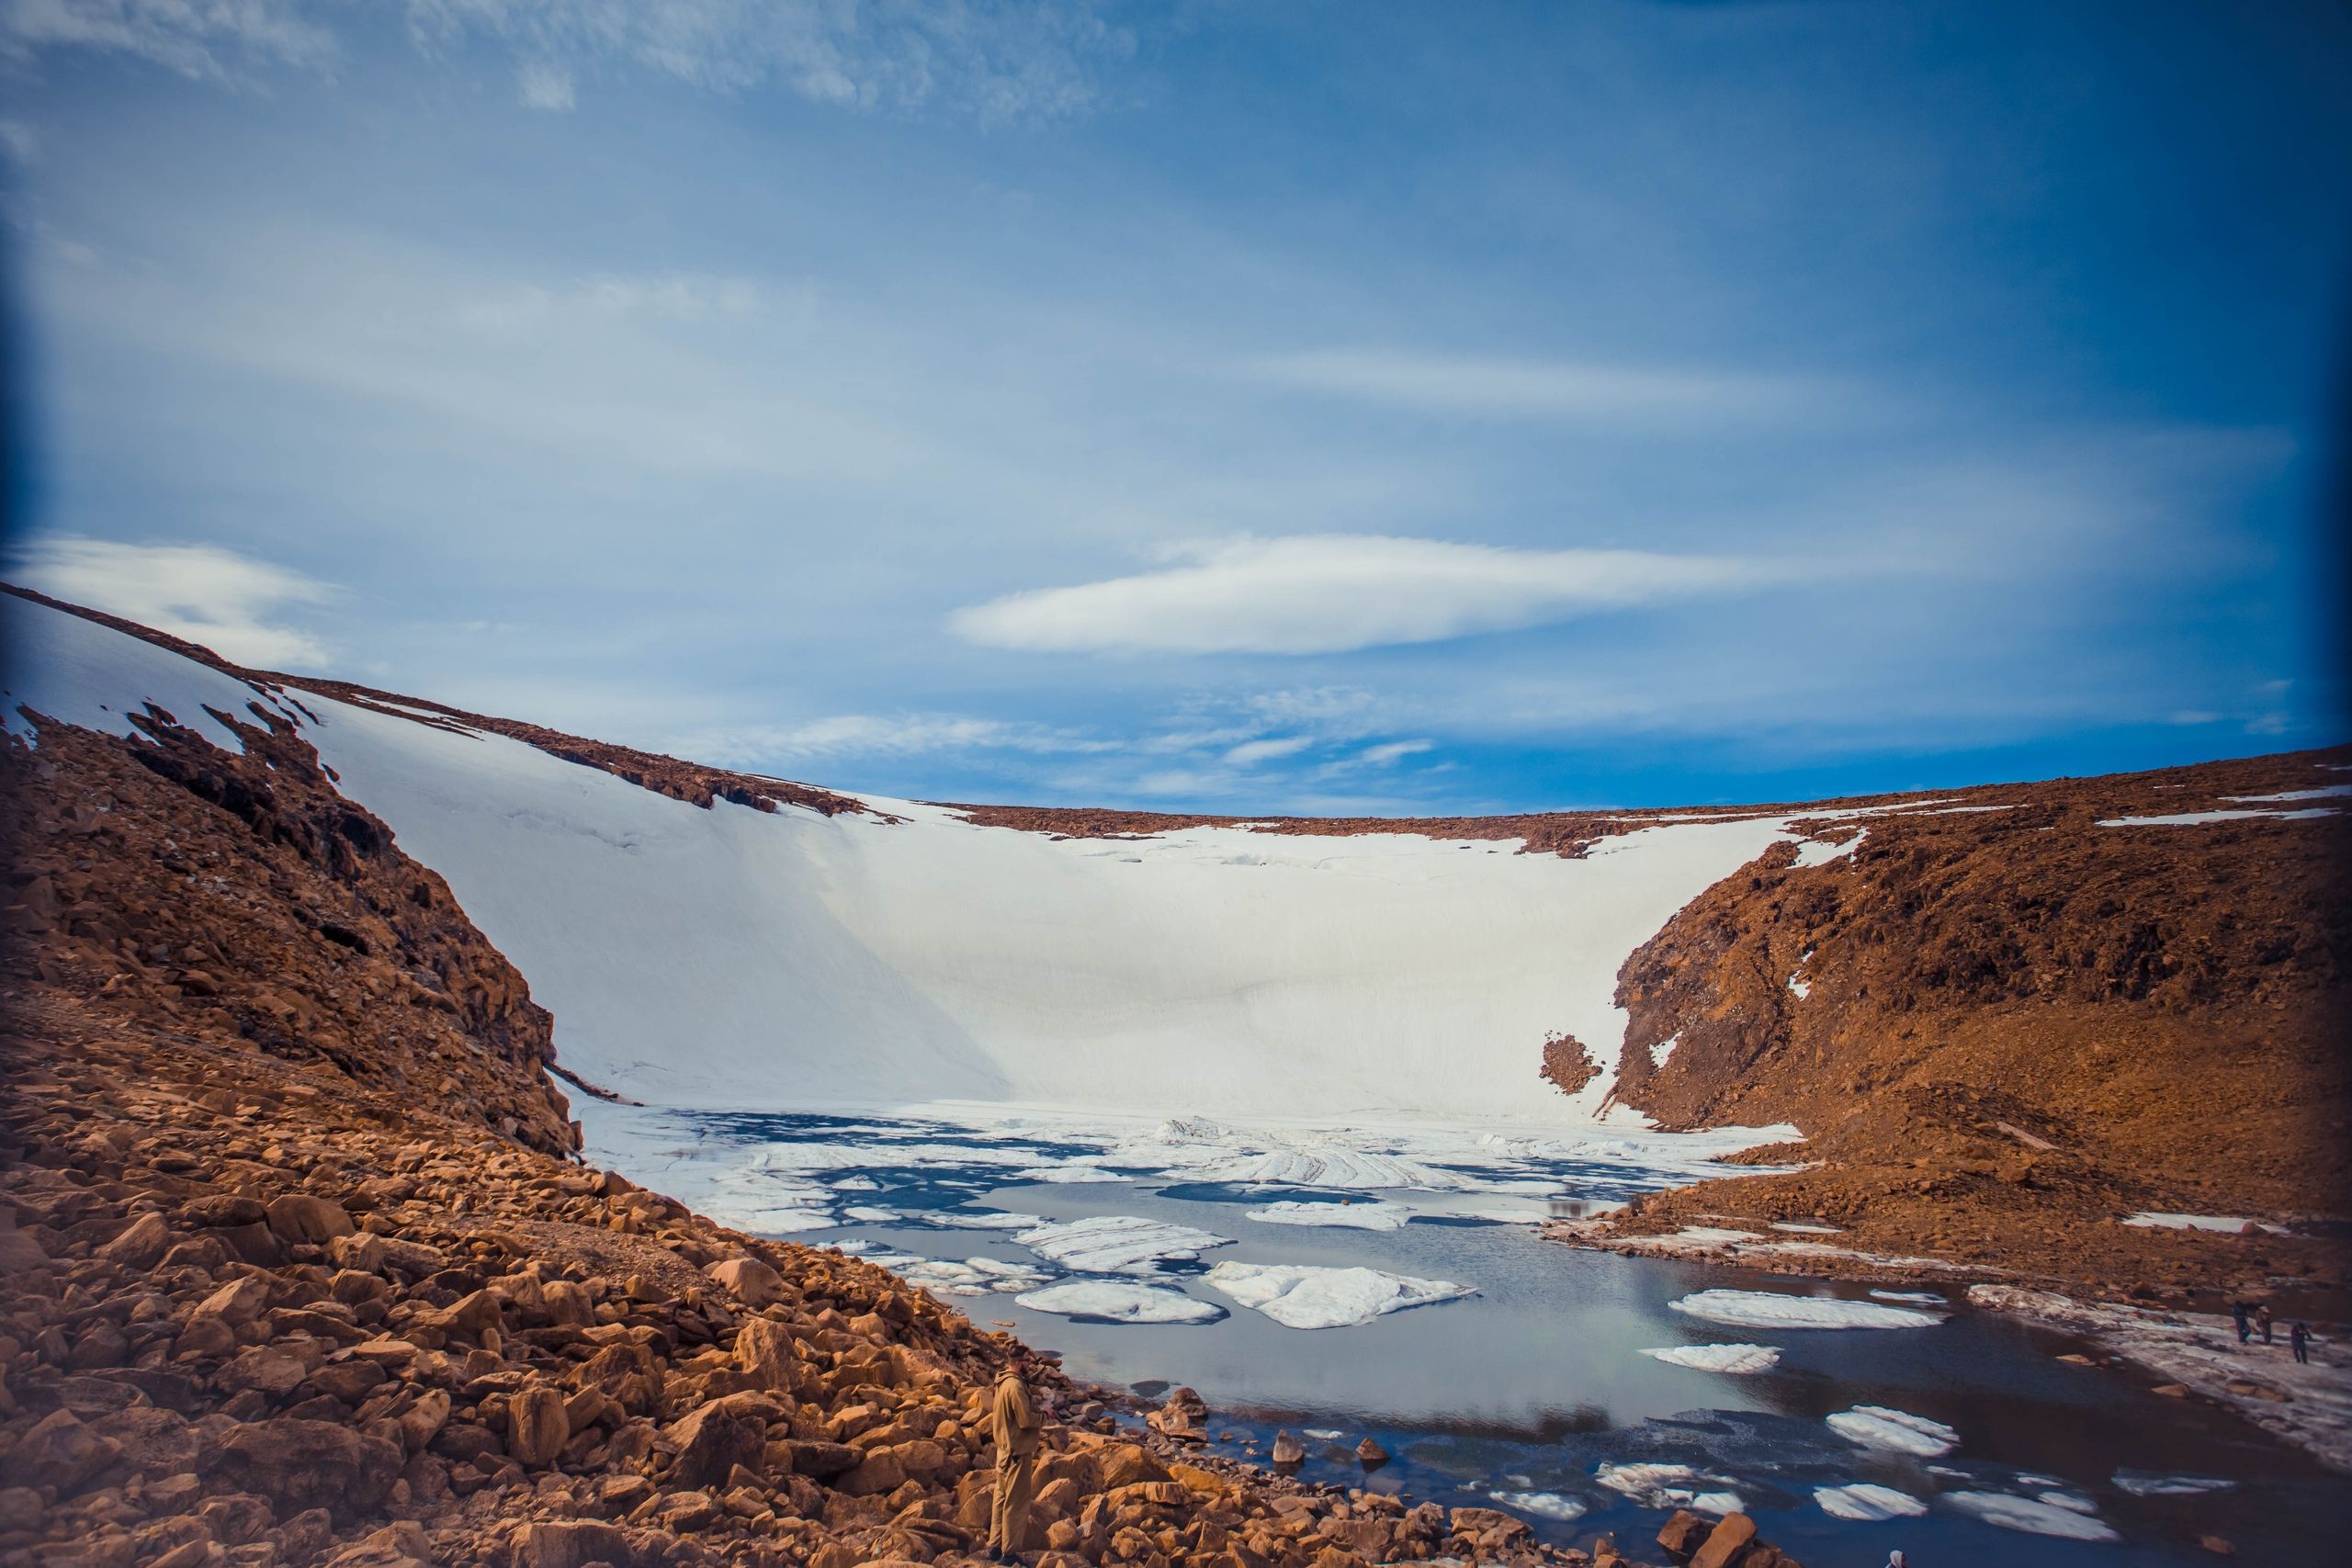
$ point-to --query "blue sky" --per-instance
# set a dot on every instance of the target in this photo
(1318, 407)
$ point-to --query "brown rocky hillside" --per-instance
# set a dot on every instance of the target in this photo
(2017, 1025)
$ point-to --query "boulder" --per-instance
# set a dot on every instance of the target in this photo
(1727, 1542)
(752, 1281)
(1683, 1534)
(536, 1427)
(237, 1303)
(59, 1452)
(143, 1241)
(307, 1464)
(712, 1441)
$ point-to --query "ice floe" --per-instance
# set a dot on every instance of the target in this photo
(1118, 1244)
(2030, 1515)
(2143, 1483)
(972, 1277)
(1073, 1173)
(1346, 1216)
(1121, 1302)
(1669, 1486)
(1878, 1427)
(1738, 1358)
(868, 1215)
(1914, 1298)
(1864, 1501)
(1544, 1504)
(1299, 1296)
(982, 1220)
(1770, 1309)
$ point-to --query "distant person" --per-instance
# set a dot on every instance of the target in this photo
(2237, 1316)
(1017, 1420)
(1895, 1559)
(2299, 1339)
(2262, 1321)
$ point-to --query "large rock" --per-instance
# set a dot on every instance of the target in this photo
(764, 1350)
(712, 1441)
(59, 1452)
(1724, 1547)
(143, 1241)
(536, 1427)
(753, 1282)
(237, 1303)
(307, 1464)
(572, 1543)
(299, 1217)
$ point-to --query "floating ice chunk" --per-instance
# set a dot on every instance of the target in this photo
(1121, 1302)
(1298, 1296)
(1544, 1504)
(1864, 1501)
(2030, 1515)
(853, 1249)
(2072, 1502)
(1118, 1244)
(973, 1277)
(1769, 1309)
(984, 1219)
(1669, 1486)
(2141, 1483)
(1071, 1173)
(1915, 1298)
(1332, 1165)
(1347, 1216)
(1324, 1434)
(1877, 1426)
(1738, 1358)
(867, 1215)
(856, 1184)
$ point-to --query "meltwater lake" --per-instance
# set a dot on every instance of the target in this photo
(1954, 1437)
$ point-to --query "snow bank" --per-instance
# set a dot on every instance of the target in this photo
(2030, 1515)
(1118, 1244)
(1299, 1296)
(1913, 1298)
(1741, 1359)
(1899, 1431)
(2232, 1224)
(1345, 1216)
(2196, 819)
(1769, 1309)
(1865, 1501)
(1120, 1303)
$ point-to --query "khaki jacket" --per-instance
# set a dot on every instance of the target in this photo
(1017, 1422)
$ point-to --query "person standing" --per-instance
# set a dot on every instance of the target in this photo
(2237, 1316)
(1018, 1423)
(2262, 1321)
(2299, 1339)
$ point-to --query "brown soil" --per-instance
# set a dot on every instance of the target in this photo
(294, 1268)
(2019, 1026)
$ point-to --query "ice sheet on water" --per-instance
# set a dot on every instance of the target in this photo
(1076, 1171)
(1770, 1309)
(2030, 1515)
(1118, 1244)
(1737, 1359)
(1120, 1301)
(972, 1277)
(1669, 1486)
(866, 1215)
(2145, 1483)
(1301, 1296)
(1331, 1165)
(1898, 1431)
(978, 1219)
(1913, 1298)
(1544, 1504)
(1346, 1216)
(1865, 1501)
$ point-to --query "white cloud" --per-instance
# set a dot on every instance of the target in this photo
(1395, 752)
(202, 38)
(544, 86)
(1253, 751)
(1333, 592)
(1536, 389)
(229, 603)
(871, 735)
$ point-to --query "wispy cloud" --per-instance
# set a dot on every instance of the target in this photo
(540, 85)
(216, 39)
(874, 735)
(1254, 751)
(232, 604)
(1335, 593)
(1394, 751)
(1539, 388)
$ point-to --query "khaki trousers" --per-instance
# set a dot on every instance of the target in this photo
(1016, 1489)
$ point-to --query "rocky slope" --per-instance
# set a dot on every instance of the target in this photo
(2005, 1028)
(294, 1268)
